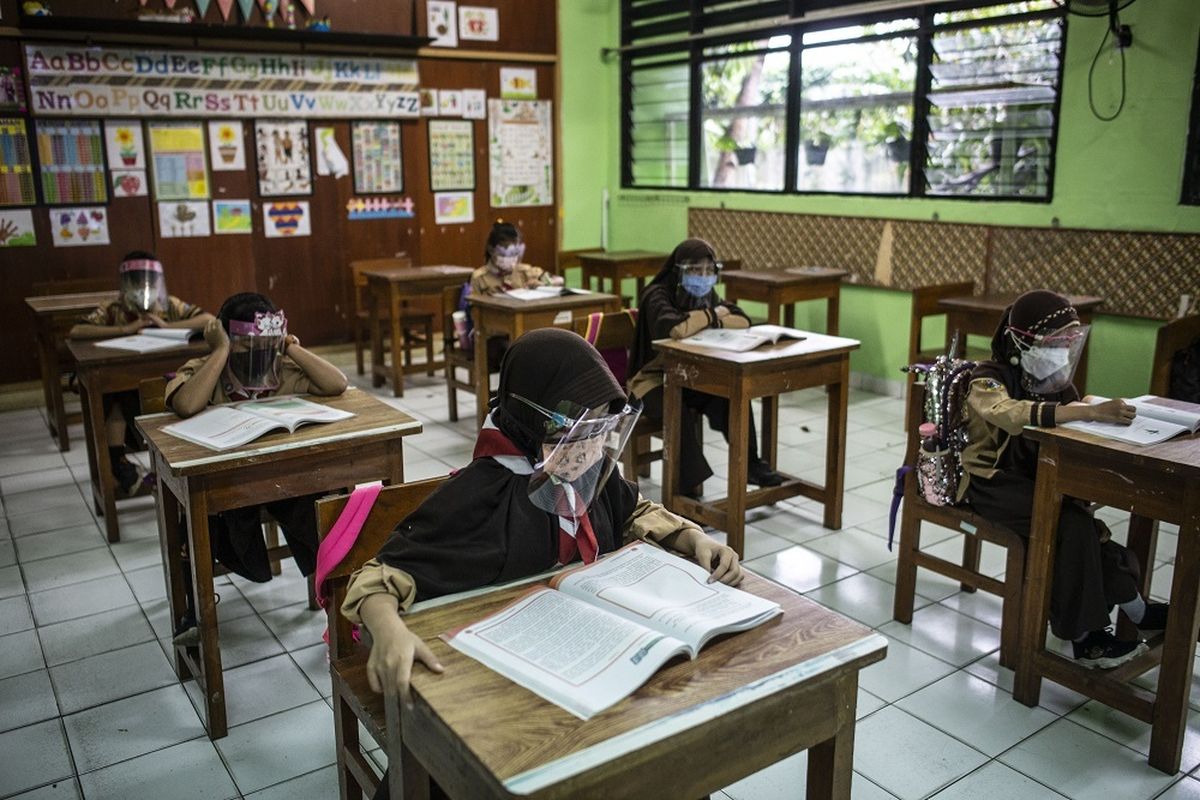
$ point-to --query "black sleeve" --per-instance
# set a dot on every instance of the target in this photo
(661, 314)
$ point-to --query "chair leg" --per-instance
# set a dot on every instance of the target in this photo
(346, 726)
(970, 560)
(906, 567)
(271, 528)
(909, 380)
(451, 391)
(643, 446)
(1010, 620)
(313, 605)
(431, 371)
(406, 334)
(358, 345)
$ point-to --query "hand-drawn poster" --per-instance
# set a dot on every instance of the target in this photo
(478, 23)
(71, 158)
(180, 169)
(450, 103)
(518, 83)
(453, 208)
(451, 154)
(77, 227)
(16, 228)
(429, 102)
(520, 148)
(330, 158)
(227, 146)
(128, 182)
(178, 220)
(12, 92)
(286, 220)
(441, 23)
(16, 164)
(377, 165)
(474, 104)
(283, 162)
(232, 216)
(123, 138)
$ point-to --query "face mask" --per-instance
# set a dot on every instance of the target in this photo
(568, 461)
(1042, 362)
(698, 285)
(506, 258)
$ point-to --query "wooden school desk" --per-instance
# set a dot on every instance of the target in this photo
(746, 702)
(105, 370)
(501, 315)
(786, 287)
(980, 314)
(765, 372)
(53, 317)
(614, 266)
(195, 481)
(1161, 483)
(389, 289)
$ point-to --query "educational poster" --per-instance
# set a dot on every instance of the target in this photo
(520, 149)
(429, 102)
(377, 165)
(187, 219)
(450, 103)
(286, 220)
(359, 208)
(78, 227)
(518, 83)
(232, 216)
(441, 23)
(180, 170)
(123, 139)
(12, 94)
(71, 158)
(477, 23)
(16, 164)
(226, 146)
(128, 183)
(453, 208)
(474, 104)
(16, 228)
(282, 152)
(330, 158)
(451, 154)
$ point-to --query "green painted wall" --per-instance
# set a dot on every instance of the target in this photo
(1123, 175)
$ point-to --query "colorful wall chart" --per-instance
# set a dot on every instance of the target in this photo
(177, 155)
(377, 165)
(281, 149)
(453, 208)
(16, 164)
(77, 227)
(232, 216)
(358, 208)
(71, 158)
(520, 149)
(451, 154)
(286, 220)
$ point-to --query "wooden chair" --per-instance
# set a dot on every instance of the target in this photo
(925, 304)
(416, 325)
(1176, 335)
(975, 530)
(353, 700)
(455, 357)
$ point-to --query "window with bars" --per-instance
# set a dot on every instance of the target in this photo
(946, 99)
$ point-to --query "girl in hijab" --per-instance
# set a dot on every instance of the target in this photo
(1035, 351)
(540, 491)
(678, 302)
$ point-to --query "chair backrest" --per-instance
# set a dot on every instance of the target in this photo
(73, 286)
(925, 304)
(357, 268)
(612, 334)
(393, 504)
(1176, 335)
(152, 395)
(916, 402)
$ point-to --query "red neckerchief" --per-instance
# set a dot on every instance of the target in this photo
(575, 532)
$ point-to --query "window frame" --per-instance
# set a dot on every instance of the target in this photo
(693, 45)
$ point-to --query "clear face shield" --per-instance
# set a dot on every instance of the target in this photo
(255, 350)
(1049, 360)
(506, 257)
(580, 449)
(699, 277)
(143, 286)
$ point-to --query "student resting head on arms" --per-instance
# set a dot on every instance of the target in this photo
(143, 303)
(253, 357)
(540, 491)
(678, 302)
(504, 269)
(1035, 351)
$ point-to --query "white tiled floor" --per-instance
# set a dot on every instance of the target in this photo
(89, 706)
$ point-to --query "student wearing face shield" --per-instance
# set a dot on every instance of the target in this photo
(143, 302)
(678, 302)
(254, 356)
(1028, 383)
(504, 269)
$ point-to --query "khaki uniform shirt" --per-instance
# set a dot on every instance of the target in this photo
(992, 419)
(292, 380)
(484, 281)
(115, 313)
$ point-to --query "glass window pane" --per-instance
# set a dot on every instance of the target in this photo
(856, 104)
(858, 31)
(1001, 10)
(991, 118)
(743, 107)
(659, 125)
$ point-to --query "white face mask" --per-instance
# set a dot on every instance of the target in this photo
(1042, 362)
(504, 264)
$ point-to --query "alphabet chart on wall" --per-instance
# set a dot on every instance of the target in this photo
(71, 157)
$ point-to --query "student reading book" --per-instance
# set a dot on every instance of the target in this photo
(609, 626)
(225, 426)
(1158, 419)
(543, 292)
(745, 339)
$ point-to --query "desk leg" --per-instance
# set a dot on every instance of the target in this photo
(640, 283)
(735, 502)
(672, 441)
(835, 446)
(211, 679)
(397, 343)
(1179, 646)
(831, 315)
(103, 491)
(57, 410)
(376, 339)
(1039, 567)
(481, 367)
(773, 311)
(789, 315)
(170, 539)
(770, 430)
(407, 778)
(831, 763)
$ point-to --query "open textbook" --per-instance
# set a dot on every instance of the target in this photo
(599, 632)
(148, 340)
(1158, 419)
(743, 339)
(226, 426)
(543, 292)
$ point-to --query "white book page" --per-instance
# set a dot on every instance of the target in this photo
(671, 594)
(776, 332)
(1168, 410)
(1143, 430)
(222, 427)
(727, 339)
(293, 411)
(174, 334)
(579, 657)
(139, 344)
(531, 294)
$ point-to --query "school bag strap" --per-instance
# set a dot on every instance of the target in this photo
(344, 533)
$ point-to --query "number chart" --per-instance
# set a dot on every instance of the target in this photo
(16, 166)
(71, 159)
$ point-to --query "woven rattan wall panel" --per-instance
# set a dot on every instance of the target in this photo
(925, 253)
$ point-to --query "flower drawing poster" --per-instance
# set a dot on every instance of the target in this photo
(281, 150)
(226, 146)
(123, 138)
